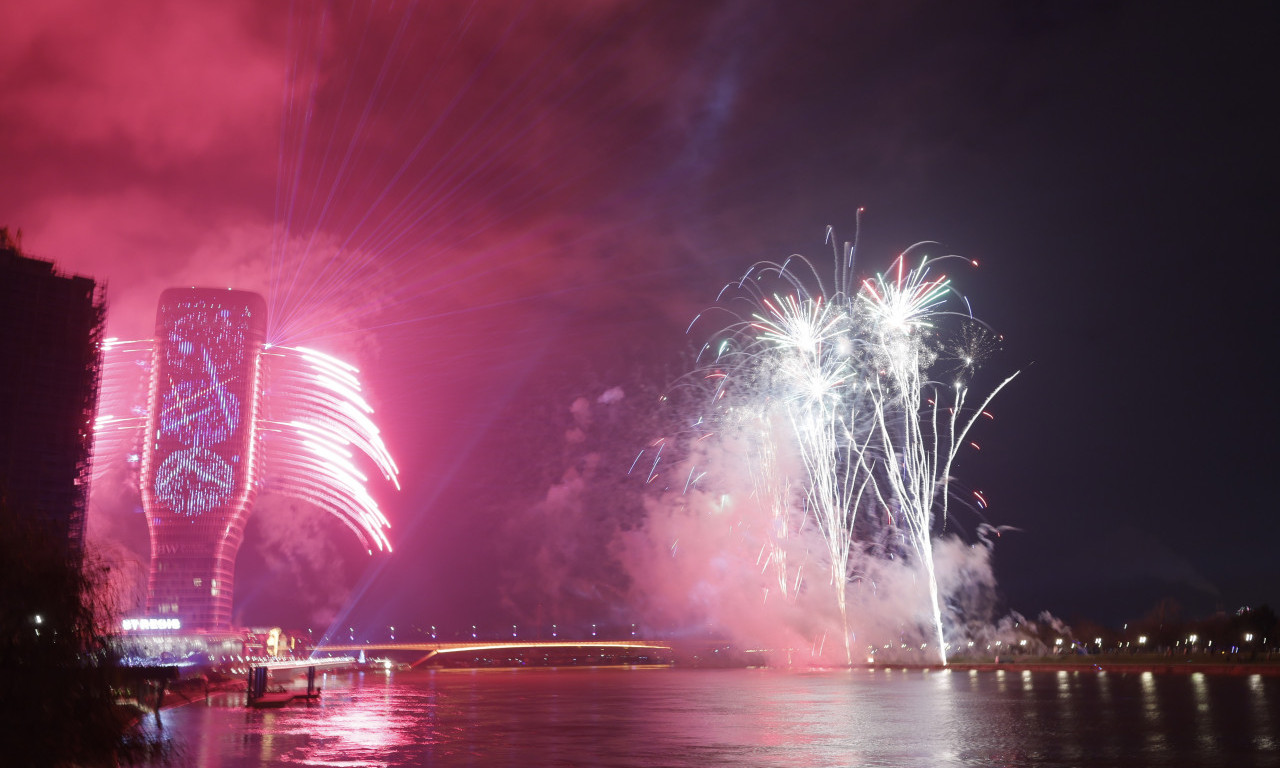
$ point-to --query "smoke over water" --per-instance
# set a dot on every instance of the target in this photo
(795, 493)
(300, 566)
(695, 563)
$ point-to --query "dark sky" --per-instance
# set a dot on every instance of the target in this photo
(498, 207)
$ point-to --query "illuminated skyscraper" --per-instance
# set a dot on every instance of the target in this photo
(200, 457)
(229, 416)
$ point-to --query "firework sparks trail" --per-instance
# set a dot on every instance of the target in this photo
(798, 364)
(315, 416)
(918, 454)
(122, 411)
(847, 374)
(777, 492)
(314, 423)
(816, 370)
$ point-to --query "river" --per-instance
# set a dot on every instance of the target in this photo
(702, 718)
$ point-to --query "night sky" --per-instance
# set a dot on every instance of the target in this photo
(496, 208)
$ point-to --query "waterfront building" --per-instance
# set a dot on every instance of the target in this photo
(50, 353)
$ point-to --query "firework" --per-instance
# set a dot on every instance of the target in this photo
(844, 381)
(315, 417)
(918, 449)
(122, 411)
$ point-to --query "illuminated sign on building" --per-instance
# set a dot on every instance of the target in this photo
(133, 625)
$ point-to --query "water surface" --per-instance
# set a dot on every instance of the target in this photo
(651, 717)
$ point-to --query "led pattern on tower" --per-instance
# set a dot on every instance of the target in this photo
(200, 413)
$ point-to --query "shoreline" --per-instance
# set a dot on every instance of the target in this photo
(1270, 669)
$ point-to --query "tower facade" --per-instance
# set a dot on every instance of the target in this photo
(200, 462)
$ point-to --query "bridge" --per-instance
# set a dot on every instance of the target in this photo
(433, 649)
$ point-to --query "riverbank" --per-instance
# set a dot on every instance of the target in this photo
(1137, 664)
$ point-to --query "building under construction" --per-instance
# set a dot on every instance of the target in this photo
(50, 340)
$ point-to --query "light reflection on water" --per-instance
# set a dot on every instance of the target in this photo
(645, 718)
(1265, 715)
